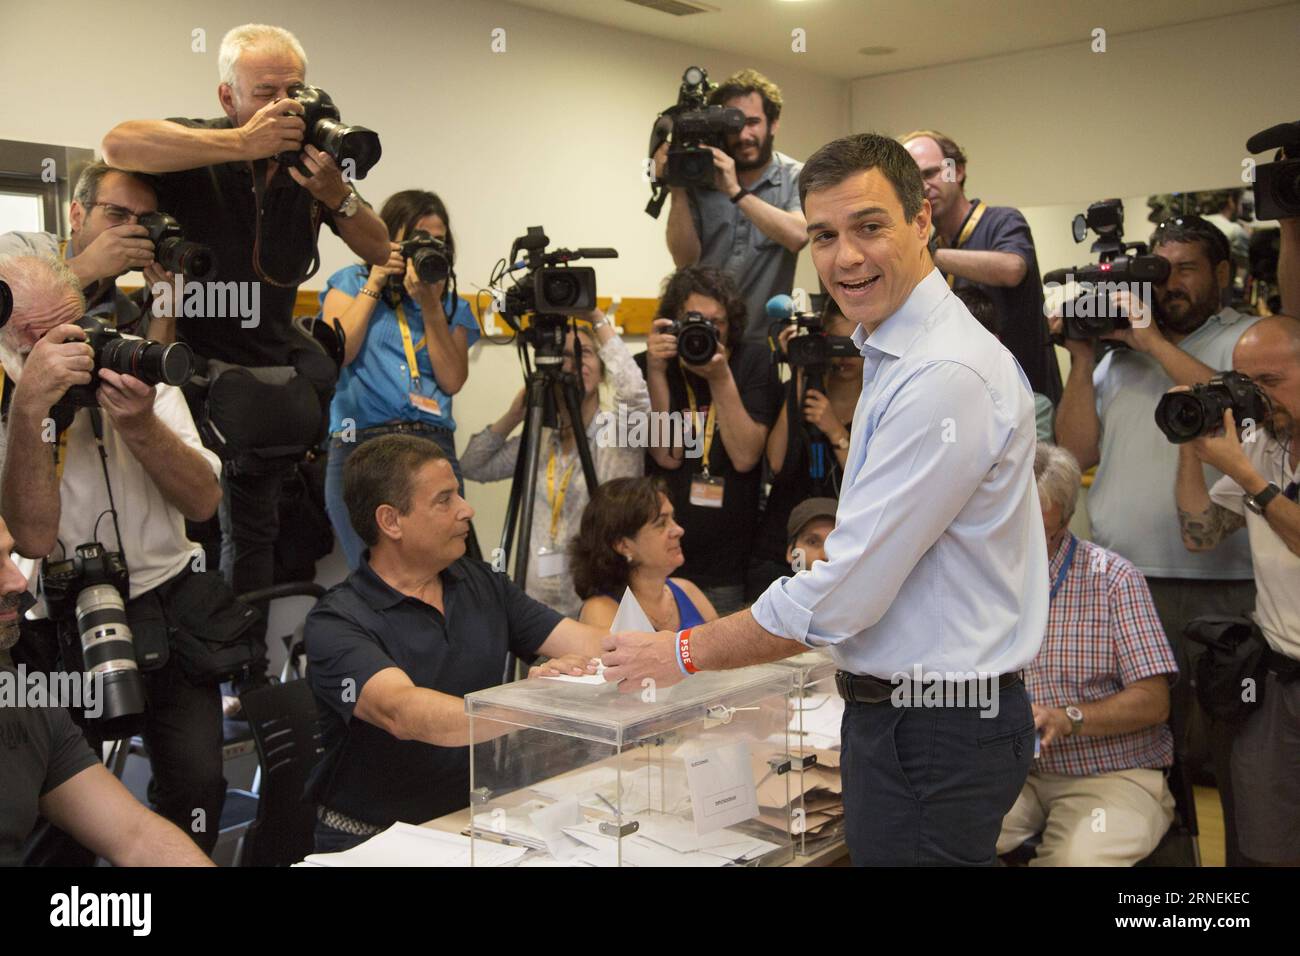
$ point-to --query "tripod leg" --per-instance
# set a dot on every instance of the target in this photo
(574, 405)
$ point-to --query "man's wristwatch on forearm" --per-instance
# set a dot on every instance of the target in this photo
(737, 197)
(1076, 719)
(1258, 502)
(350, 206)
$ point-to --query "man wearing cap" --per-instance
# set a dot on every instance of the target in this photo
(937, 562)
(811, 522)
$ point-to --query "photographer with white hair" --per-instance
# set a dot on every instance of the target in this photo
(227, 182)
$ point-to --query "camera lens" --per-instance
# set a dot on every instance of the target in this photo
(150, 362)
(108, 653)
(189, 258)
(430, 265)
(6, 302)
(561, 290)
(1182, 416)
(348, 144)
(697, 343)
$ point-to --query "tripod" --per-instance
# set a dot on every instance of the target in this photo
(540, 411)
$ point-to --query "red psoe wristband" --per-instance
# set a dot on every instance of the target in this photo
(684, 651)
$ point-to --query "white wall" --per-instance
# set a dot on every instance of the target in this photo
(550, 132)
(1159, 111)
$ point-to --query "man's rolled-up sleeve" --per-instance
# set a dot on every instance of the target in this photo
(170, 407)
(936, 442)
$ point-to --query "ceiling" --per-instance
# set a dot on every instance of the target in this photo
(924, 32)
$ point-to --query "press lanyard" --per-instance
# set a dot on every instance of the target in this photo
(411, 367)
(968, 227)
(1065, 566)
(557, 498)
(710, 422)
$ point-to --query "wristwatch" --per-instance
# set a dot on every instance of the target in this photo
(1076, 719)
(741, 195)
(843, 443)
(350, 206)
(1257, 503)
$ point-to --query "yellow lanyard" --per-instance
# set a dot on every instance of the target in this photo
(60, 454)
(710, 423)
(963, 237)
(557, 499)
(412, 368)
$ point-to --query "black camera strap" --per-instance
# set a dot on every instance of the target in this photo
(259, 194)
(97, 426)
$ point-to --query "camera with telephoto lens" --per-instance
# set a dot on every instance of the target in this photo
(87, 591)
(151, 362)
(1119, 265)
(1277, 184)
(693, 126)
(697, 338)
(353, 146)
(430, 258)
(173, 251)
(1183, 416)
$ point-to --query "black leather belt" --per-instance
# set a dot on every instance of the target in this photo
(865, 689)
(400, 428)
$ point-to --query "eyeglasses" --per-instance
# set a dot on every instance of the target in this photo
(117, 215)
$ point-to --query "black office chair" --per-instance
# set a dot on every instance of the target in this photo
(283, 719)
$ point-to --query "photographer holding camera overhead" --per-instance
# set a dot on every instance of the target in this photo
(256, 184)
(104, 503)
(1259, 492)
(1106, 418)
(746, 221)
(406, 345)
(109, 238)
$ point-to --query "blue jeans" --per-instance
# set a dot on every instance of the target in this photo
(929, 786)
(340, 452)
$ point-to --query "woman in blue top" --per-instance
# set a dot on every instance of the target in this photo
(628, 538)
(406, 352)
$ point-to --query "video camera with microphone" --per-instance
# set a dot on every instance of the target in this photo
(693, 126)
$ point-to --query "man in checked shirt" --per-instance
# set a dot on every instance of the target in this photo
(1100, 692)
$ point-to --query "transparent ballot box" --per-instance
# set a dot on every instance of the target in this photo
(582, 775)
(816, 806)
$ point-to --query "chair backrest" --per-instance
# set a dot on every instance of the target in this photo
(284, 722)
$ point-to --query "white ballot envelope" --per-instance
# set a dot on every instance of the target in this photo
(630, 617)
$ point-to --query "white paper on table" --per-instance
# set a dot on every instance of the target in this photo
(596, 678)
(722, 787)
(550, 823)
(630, 616)
(405, 845)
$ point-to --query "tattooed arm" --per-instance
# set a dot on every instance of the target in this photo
(1202, 522)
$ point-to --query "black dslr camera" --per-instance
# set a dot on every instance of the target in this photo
(87, 591)
(429, 256)
(697, 338)
(1277, 184)
(813, 351)
(150, 362)
(174, 252)
(344, 144)
(1090, 314)
(694, 126)
(1183, 416)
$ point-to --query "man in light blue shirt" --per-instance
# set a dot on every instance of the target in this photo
(934, 591)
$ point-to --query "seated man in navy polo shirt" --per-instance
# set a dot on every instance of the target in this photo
(394, 648)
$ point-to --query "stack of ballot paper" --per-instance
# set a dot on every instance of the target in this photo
(406, 845)
(815, 805)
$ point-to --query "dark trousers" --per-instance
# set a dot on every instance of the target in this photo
(183, 733)
(250, 523)
(1204, 744)
(929, 786)
(329, 840)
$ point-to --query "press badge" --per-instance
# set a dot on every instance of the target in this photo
(425, 403)
(551, 563)
(706, 491)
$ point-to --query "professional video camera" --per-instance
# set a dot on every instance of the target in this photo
(345, 144)
(814, 350)
(174, 252)
(694, 127)
(431, 260)
(1277, 184)
(1183, 416)
(151, 362)
(87, 591)
(550, 290)
(1090, 314)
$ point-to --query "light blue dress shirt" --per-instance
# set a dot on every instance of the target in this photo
(938, 557)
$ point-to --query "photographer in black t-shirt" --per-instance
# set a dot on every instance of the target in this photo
(734, 399)
(220, 180)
